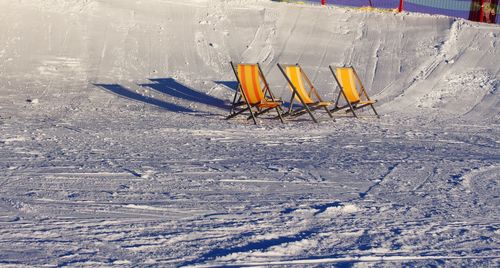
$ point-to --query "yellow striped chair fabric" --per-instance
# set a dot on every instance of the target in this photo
(294, 73)
(348, 81)
(251, 85)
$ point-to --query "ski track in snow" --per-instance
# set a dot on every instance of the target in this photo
(124, 159)
(223, 207)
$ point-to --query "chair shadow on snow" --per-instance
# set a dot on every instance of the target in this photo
(233, 85)
(172, 88)
(130, 94)
(175, 89)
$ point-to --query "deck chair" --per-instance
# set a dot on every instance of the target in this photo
(348, 79)
(297, 80)
(251, 95)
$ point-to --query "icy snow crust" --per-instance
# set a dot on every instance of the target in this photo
(114, 151)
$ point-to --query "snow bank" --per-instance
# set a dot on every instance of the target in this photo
(113, 150)
(414, 64)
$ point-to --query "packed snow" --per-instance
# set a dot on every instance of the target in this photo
(114, 150)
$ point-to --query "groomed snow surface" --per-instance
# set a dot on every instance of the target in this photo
(114, 151)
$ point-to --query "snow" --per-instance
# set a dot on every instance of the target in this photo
(114, 151)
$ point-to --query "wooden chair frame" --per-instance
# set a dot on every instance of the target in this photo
(237, 101)
(306, 107)
(353, 106)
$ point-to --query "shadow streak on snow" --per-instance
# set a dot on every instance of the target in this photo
(391, 169)
(130, 94)
(364, 242)
(258, 245)
(233, 85)
(171, 87)
(323, 207)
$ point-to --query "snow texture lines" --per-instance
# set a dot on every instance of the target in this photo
(114, 151)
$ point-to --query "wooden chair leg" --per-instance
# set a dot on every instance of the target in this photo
(279, 114)
(328, 111)
(236, 113)
(373, 108)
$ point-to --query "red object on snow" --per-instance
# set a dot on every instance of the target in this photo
(323, 2)
(484, 10)
(481, 12)
(401, 5)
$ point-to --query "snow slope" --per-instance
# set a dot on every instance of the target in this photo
(114, 151)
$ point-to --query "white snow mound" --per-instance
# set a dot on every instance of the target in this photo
(414, 64)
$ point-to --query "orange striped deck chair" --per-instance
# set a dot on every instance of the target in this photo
(254, 93)
(309, 98)
(348, 81)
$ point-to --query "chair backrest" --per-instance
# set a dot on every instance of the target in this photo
(294, 73)
(250, 83)
(347, 80)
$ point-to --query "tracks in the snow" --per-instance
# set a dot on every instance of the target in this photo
(243, 192)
